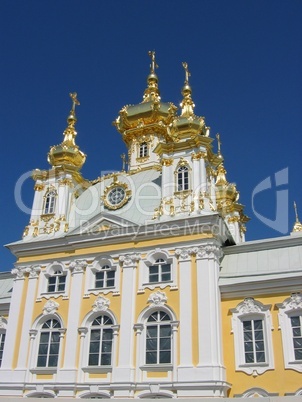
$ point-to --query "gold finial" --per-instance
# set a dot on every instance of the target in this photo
(153, 64)
(187, 72)
(218, 142)
(151, 92)
(298, 225)
(75, 101)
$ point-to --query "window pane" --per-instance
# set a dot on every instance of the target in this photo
(249, 358)
(43, 349)
(151, 344)
(55, 337)
(107, 334)
(165, 330)
(94, 347)
(41, 361)
(44, 337)
(93, 360)
(151, 332)
(165, 344)
(106, 359)
(165, 357)
(257, 324)
(151, 358)
(295, 321)
(248, 346)
(95, 334)
(260, 357)
(247, 325)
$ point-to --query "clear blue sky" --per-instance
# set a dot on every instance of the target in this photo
(245, 59)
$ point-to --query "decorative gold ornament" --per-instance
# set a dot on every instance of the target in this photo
(167, 162)
(298, 225)
(39, 186)
(116, 195)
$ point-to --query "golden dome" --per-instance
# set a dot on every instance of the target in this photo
(68, 153)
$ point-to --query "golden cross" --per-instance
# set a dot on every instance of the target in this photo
(153, 65)
(188, 74)
(75, 101)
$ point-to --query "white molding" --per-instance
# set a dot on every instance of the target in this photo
(291, 307)
(250, 309)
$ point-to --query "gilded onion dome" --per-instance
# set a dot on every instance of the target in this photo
(136, 120)
(68, 153)
(188, 125)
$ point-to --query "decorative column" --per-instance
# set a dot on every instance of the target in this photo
(185, 313)
(167, 177)
(33, 276)
(68, 372)
(209, 316)
(38, 200)
(124, 372)
(12, 333)
(63, 196)
(203, 173)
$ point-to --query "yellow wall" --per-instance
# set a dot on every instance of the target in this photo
(279, 380)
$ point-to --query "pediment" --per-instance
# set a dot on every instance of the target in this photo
(102, 223)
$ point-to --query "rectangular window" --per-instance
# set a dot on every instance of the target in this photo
(56, 283)
(105, 279)
(254, 349)
(297, 336)
(160, 271)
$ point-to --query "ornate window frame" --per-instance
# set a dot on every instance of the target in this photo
(291, 307)
(157, 303)
(183, 182)
(48, 273)
(250, 309)
(49, 202)
(100, 307)
(35, 334)
(149, 261)
(96, 267)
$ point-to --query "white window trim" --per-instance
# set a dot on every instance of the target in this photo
(84, 332)
(251, 309)
(35, 342)
(96, 266)
(43, 283)
(140, 329)
(291, 307)
(149, 261)
(183, 163)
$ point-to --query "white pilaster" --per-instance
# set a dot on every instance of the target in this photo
(12, 326)
(69, 370)
(27, 318)
(38, 201)
(209, 317)
(124, 372)
(185, 309)
(167, 177)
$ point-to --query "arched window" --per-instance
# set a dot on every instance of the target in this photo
(158, 338)
(105, 277)
(101, 338)
(49, 343)
(143, 150)
(160, 271)
(49, 202)
(182, 174)
(56, 281)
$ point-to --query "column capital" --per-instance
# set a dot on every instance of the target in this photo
(209, 251)
(129, 260)
(78, 266)
(185, 254)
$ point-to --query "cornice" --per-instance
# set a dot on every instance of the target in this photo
(167, 229)
(264, 244)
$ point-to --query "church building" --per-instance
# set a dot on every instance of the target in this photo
(139, 283)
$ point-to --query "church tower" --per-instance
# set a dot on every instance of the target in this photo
(57, 188)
